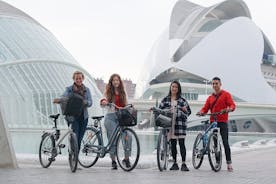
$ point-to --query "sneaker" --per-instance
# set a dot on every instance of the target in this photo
(114, 165)
(126, 162)
(230, 168)
(174, 167)
(184, 167)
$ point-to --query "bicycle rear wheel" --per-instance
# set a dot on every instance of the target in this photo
(89, 144)
(128, 149)
(214, 152)
(198, 153)
(73, 151)
(46, 149)
(162, 151)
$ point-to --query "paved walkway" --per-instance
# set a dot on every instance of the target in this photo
(257, 166)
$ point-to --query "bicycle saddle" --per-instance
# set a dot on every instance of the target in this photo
(54, 116)
(97, 117)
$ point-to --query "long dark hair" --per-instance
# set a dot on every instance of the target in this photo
(110, 90)
(179, 92)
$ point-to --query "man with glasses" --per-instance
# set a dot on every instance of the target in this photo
(220, 101)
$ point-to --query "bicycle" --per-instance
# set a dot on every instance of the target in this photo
(125, 139)
(163, 120)
(208, 142)
(51, 145)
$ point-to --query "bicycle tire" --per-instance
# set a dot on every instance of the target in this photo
(88, 158)
(162, 151)
(127, 137)
(45, 163)
(214, 151)
(198, 151)
(73, 151)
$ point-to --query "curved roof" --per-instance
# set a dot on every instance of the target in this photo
(191, 22)
(22, 38)
(9, 10)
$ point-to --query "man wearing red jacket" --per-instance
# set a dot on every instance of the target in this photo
(220, 101)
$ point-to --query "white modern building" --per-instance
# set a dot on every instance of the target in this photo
(34, 69)
(203, 42)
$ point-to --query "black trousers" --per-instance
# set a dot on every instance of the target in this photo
(182, 149)
(224, 135)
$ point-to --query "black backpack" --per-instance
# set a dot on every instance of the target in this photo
(73, 106)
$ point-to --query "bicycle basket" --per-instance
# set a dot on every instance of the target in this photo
(127, 117)
(73, 105)
(163, 121)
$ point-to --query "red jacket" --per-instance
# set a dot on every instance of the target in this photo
(224, 101)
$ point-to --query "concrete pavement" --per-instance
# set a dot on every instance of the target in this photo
(257, 166)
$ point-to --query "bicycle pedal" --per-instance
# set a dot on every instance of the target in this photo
(62, 146)
(51, 159)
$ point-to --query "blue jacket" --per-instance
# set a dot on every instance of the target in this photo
(87, 98)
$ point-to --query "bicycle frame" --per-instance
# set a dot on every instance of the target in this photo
(101, 149)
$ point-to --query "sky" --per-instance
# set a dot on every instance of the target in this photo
(115, 36)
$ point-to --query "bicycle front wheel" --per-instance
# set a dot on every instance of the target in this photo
(198, 151)
(162, 151)
(46, 149)
(73, 151)
(90, 144)
(128, 149)
(214, 152)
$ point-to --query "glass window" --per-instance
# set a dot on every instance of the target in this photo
(210, 26)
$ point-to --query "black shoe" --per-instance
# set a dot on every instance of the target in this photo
(114, 165)
(126, 162)
(174, 167)
(184, 167)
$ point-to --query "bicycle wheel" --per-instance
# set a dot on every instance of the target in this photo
(128, 149)
(73, 151)
(198, 149)
(46, 148)
(214, 152)
(89, 144)
(162, 151)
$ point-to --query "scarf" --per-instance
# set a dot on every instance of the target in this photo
(79, 89)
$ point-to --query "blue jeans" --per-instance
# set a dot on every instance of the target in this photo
(79, 126)
(110, 123)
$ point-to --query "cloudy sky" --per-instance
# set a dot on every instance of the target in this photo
(115, 36)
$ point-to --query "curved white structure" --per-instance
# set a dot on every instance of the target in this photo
(34, 69)
(201, 43)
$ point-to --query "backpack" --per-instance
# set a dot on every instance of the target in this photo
(73, 105)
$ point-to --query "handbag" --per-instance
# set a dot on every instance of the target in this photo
(127, 117)
(163, 121)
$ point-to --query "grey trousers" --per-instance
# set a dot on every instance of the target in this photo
(110, 123)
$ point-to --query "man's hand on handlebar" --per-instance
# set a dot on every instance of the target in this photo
(200, 113)
(226, 110)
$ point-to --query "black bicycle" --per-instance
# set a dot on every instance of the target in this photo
(208, 143)
(163, 120)
(51, 145)
(125, 139)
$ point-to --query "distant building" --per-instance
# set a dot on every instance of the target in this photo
(129, 86)
(100, 84)
(203, 42)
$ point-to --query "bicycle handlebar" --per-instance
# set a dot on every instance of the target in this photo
(117, 107)
(212, 114)
(156, 109)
